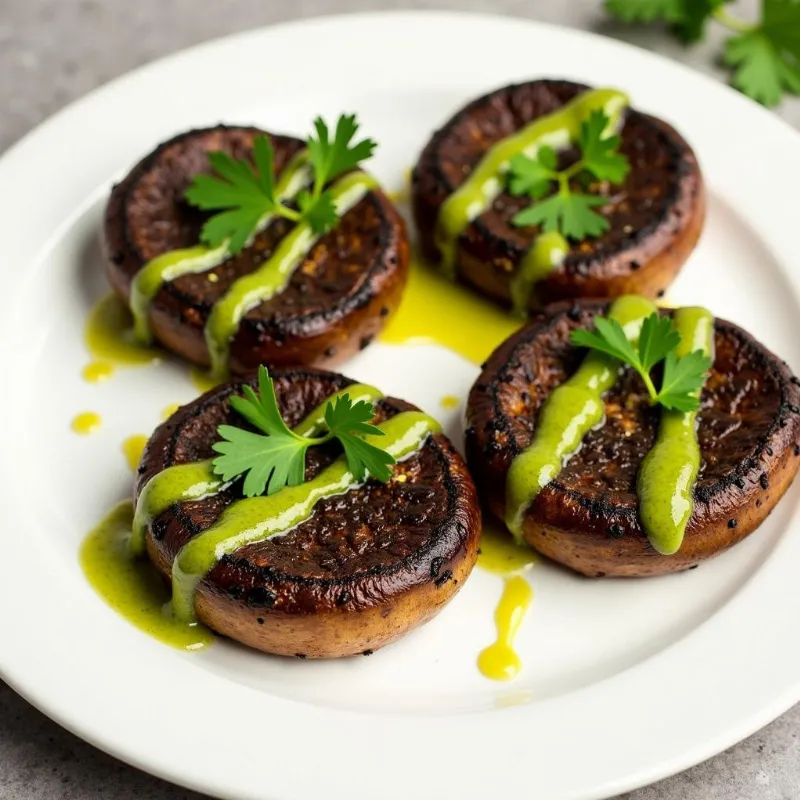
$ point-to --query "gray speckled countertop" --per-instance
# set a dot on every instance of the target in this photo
(53, 51)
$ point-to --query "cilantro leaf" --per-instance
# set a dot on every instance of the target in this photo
(599, 152)
(658, 342)
(331, 158)
(683, 379)
(276, 456)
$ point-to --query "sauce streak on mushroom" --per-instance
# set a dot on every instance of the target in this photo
(668, 473)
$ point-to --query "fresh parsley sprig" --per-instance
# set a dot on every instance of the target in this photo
(277, 457)
(764, 56)
(568, 210)
(243, 193)
(683, 376)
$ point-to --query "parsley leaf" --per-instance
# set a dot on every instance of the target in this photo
(332, 158)
(319, 211)
(765, 57)
(658, 340)
(567, 211)
(244, 194)
(276, 457)
(532, 176)
(687, 17)
(761, 71)
(599, 152)
(683, 377)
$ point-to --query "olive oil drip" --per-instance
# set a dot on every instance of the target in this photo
(502, 556)
(433, 310)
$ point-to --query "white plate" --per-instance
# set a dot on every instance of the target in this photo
(624, 682)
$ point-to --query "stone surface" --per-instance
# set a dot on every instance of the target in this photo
(54, 51)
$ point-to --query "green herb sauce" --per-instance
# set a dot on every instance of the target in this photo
(132, 587)
(274, 274)
(669, 471)
(546, 253)
(571, 411)
(175, 263)
(256, 519)
(485, 183)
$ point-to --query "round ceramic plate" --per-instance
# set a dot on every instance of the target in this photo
(624, 681)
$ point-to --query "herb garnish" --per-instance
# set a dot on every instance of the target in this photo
(683, 376)
(277, 457)
(245, 193)
(568, 211)
(765, 56)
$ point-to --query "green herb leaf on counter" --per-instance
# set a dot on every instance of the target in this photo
(567, 210)
(683, 377)
(243, 193)
(276, 457)
(764, 55)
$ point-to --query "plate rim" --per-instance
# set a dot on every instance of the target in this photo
(17, 154)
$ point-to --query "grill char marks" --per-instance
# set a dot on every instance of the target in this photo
(587, 518)
(356, 575)
(332, 302)
(656, 216)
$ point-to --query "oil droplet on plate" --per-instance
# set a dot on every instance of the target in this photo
(132, 448)
(96, 371)
(86, 422)
(449, 401)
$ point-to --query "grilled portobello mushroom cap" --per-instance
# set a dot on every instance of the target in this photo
(586, 519)
(655, 216)
(336, 302)
(366, 568)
